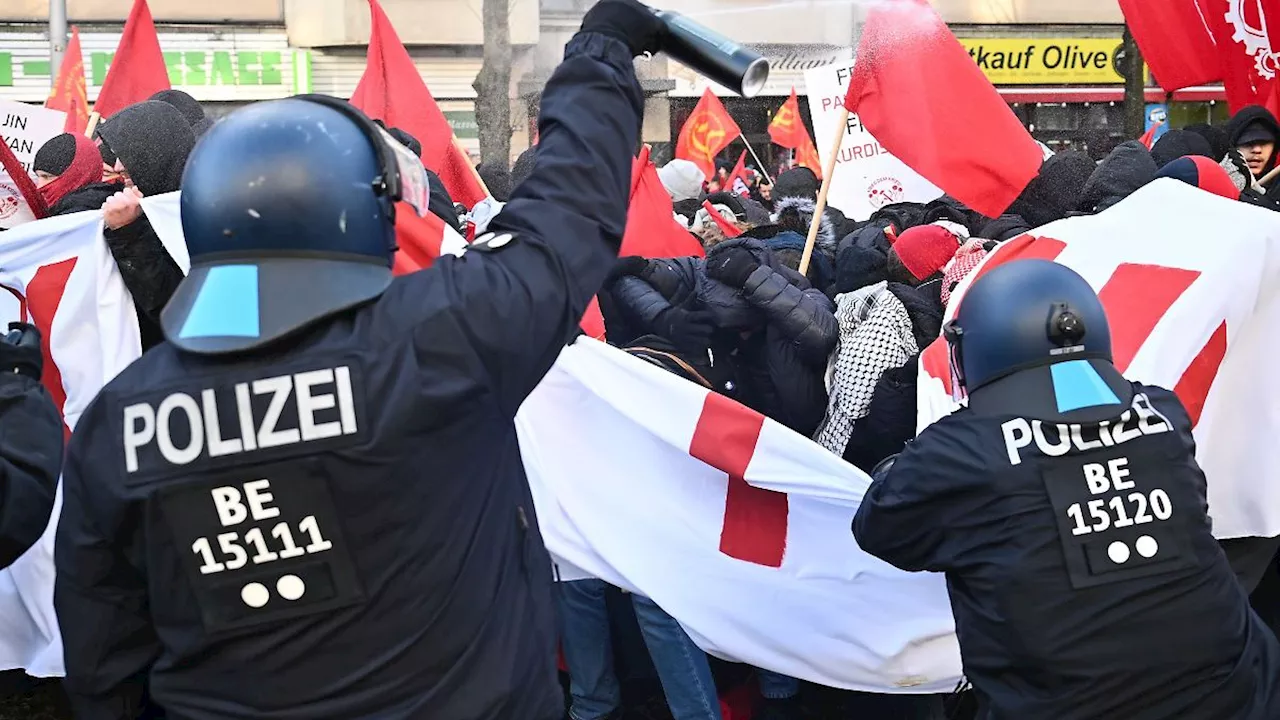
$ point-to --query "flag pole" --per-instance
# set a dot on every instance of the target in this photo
(842, 127)
(1266, 179)
(94, 119)
(752, 150)
(474, 172)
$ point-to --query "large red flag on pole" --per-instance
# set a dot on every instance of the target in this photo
(921, 95)
(69, 93)
(137, 71)
(392, 91)
(787, 130)
(708, 130)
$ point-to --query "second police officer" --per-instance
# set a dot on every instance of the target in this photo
(310, 503)
(1067, 510)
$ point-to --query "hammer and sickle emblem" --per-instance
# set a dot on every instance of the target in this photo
(785, 117)
(707, 133)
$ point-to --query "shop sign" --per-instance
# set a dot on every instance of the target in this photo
(1046, 61)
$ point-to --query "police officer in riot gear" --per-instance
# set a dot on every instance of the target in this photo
(309, 503)
(30, 444)
(1066, 508)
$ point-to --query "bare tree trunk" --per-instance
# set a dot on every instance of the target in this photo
(493, 85)
(1135, 102)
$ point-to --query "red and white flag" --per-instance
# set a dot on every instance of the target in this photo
(1198, 319)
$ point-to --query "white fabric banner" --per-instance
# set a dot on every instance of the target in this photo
(1189, 283)
(24, 128)
(866, 177)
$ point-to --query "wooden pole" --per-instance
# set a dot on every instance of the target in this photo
(842, 127)
(474, 173)
(1266, 179)
(94, 119)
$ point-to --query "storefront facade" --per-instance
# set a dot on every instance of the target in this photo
(224, 67)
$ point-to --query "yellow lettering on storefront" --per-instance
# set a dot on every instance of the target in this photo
(1036, 61)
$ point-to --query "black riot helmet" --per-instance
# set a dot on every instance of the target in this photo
(1025, 314)
(288, 208)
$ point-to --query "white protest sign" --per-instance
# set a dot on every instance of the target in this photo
(866, 177)
(24, 128)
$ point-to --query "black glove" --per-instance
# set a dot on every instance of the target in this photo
(689, 330)
(20, 351)
(732, 267)
(630, 266)
(628, 21)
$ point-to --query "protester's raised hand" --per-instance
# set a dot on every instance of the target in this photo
(732, 267)
(122, 208)
(629, 21)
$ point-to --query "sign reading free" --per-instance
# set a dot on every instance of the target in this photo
(1049, 61)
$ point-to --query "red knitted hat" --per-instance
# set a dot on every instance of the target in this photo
(925, 249)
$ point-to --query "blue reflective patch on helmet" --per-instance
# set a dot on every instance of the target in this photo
(227, 304)
(1077, 385)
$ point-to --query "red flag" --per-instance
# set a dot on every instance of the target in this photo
(1175, 39)
(725, 226)
(1149, 137)
(708, 130)
(921, 95)
(1273, 99)
(137, 71)
(391, 90)
(787, 130)
(1247, 63)
(736, 183)
(9, 162)
(69, 94)
(652, 230)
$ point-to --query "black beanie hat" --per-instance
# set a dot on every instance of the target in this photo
(55, 156)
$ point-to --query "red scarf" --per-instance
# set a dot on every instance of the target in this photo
(85, 169)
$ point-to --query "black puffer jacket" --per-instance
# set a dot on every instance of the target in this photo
(776, 332)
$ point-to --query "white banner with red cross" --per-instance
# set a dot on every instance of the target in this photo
(1191, 285)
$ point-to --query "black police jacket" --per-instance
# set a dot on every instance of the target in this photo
(1084, 579)
(341, 528)
(31, 433)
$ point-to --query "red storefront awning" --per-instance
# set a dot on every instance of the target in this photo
(1066, 94)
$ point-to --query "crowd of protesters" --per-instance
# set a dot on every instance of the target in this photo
(831, 353)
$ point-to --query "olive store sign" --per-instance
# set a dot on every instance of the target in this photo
(1049, 61)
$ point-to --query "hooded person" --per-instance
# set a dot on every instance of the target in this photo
(792, 213)
(190, 108)
(730, 208)
(1252, 135)
(151, 141)
(496, 179)
(1055, 191)
(1128, 168)
(69, 175)
(1179, 143)
(1215, 136)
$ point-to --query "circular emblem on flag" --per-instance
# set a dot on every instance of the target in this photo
(707, 133)
(885, 191)
(1252, 33)
(10, 201)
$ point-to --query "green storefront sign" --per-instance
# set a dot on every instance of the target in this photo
(191, 68)
(463, 123)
